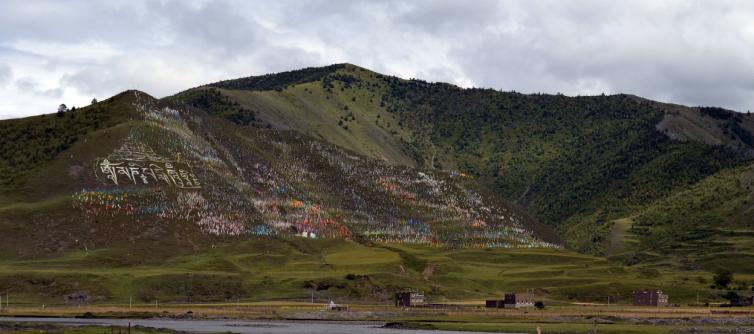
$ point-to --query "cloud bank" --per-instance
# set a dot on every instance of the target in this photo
(689, 52)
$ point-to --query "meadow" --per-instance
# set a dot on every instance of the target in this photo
(299, 269)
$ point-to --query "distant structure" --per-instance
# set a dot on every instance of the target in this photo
(409, 299)
(741, 301)
(494, 303)
(512, 300)
(331, 306)
(650, 298)
(516, 300)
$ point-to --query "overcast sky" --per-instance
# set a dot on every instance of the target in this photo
(689, 52)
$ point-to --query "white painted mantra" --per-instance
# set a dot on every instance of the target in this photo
(136, 163)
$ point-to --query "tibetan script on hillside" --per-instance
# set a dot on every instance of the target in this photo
(136, 163)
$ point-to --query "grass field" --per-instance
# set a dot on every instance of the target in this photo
(24, 328)
(299, 269)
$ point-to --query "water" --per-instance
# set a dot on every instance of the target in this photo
(235, 326)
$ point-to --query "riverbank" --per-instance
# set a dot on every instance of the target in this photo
(172, 326)
(460, 317)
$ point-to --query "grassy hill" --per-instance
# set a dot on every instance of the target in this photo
(162, 184)
(353, 184)
(578, 164)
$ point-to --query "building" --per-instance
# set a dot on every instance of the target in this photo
(650, 298)
(516, 300)
(741, 301)
(512, 300)
(409, 299)
(492, 303)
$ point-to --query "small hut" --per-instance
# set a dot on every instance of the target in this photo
(650, 298)
(516, 300)
(409, 299)
(512, 300)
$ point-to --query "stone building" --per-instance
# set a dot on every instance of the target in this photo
(650, 298)
(409, 299)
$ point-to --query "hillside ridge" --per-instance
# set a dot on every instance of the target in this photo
(578, 164)
(346, 183)
(581, 165)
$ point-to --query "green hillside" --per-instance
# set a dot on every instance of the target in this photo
(28, 143)
(164, 183)
(353, 184)
(576, 163)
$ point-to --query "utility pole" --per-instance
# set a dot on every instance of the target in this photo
(697, 297)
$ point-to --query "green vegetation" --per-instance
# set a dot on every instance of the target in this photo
(578, 164)
(319, 110)
(722, 278)
(216, 104)
(646, 203)
(278, 81)
(264, 269)
(32, 328)
(28, 143)
(703, 225)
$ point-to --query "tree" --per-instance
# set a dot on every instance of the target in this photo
(94, 100)
(722, 278)
(62, 108)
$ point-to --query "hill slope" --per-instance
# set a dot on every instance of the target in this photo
(578, 164)
(356, 184)
(166, 168)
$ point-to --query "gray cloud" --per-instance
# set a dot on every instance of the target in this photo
(696, 53)
(5, 74)
(32, 87)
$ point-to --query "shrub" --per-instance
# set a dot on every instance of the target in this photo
(722, 278)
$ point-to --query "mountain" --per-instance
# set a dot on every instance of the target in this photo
(161, 164)
(595, 168)
(353, 183)
(135, 181)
